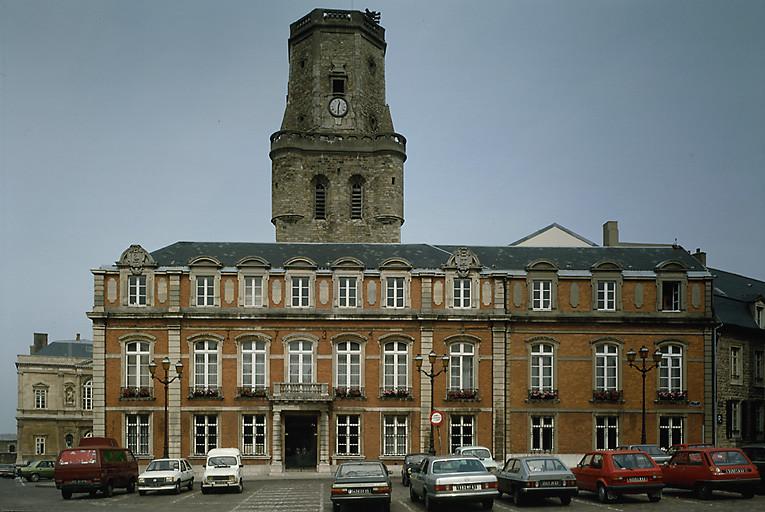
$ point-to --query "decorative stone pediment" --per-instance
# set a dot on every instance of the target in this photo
(606, 266)
(463, 261)
(347, 263)
(671, 266)
(205, 261)
(300, 262)
(253, 262)
(395, 264)
(542, 265)
(136, 258)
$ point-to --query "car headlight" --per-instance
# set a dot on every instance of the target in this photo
(209, 479)
(232, 478)
(169, 479)
(141, 480)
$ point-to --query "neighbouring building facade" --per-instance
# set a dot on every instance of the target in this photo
(8, 444)
(55, 397)
(302, 355)
(739, 305)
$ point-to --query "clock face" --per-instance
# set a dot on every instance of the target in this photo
(338, 107)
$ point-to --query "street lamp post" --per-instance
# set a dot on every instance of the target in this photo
(166, 382)
(432, 374)
(644, 369)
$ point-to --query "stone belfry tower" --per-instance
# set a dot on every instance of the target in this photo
(337, 166)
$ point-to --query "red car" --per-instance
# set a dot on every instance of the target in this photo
(707, 469)
(617, 472)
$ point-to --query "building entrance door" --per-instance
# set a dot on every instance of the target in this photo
(300, 437)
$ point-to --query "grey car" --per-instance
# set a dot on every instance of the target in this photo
(452, 479)
(361, 483)
(539, 476)
(411, 461)
(658, 455)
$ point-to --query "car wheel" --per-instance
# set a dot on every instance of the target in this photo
(131, 487)
(34, 477)
(109, 490)
(191, 484)
(517, 497)
(412, 495)
(66, 494)
(565, 500)
(428, 503)
(204, 489)
(704, 492)
(748, 495)
(653, 497)
(241, 486)
(487, 504)
(335, 507)
(142, 493)
(603, 494)
(386, 507)
(92, 494)
(177, 489)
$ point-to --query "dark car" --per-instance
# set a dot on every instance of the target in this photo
(708, 469)
(412, 460)
(756, 453)
(361, 483)
(7, 470)
(537, 476)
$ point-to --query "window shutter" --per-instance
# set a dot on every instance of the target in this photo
(745, 420)
(729, 419)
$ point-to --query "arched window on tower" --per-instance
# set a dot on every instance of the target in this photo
(357, 197)
(320, 200)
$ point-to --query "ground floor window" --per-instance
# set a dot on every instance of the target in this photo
(542, 433)
(606, 432)
(670, 431)
(39, 445)
(395, 435)
(348, 434)
(462, 431)
(137, 430)
(253, 434)
(205, 433)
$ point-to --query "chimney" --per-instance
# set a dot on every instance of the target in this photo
(611, 234)
(701, 256)
(78, 337)
(40, 342)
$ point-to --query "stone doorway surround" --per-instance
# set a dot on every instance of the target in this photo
(320, 412)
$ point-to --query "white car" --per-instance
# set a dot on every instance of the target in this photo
(482, 453)
(223, 470)
(166, 475)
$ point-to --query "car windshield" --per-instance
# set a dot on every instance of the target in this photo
(360, 470)
(414, 459)
(651, 449)
(727, 458)
(481, 453)
(77, 457)
(541, 465)
(221, 461)
(163, 465)
(632, 461)
(457, 466)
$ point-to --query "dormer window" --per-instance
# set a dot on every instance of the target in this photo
(670, 296)
(137, 290)
(759, 315)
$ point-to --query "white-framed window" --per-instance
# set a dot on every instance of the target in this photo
(759, 367)
(136, 290)
(395, 292)
(253, 364)
(670, 431)
(300, 362)
(606, 432)
(606, 300)
(253, 291)
(137, 355)
(137, 433)
(41, 398)
(542, 367)
(205, 290)
(461, 289)
(395, 434)
(347, 292)
(253, 434)
(461, 431)
(734, 419)
(607, 367)
(87, 395)
(541, 295)
(759, 315)
(542, 434)
(462, 366)
(735, 364)
(348, 434)
(300, 287)
(395, 365)
(348, 362)
(40, 445)
(205, 433)
(206, 364)
(671, 368)
(670, 296)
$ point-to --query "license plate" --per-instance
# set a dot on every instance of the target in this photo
(734, 470)
(466, 487)
(551, 483)
(79, 482)
(638, 479)
(359, 491)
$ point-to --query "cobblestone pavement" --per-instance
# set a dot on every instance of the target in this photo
(312, 495)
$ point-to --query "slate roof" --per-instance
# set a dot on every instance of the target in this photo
(733, 298)
(81, 349)
(424, 256)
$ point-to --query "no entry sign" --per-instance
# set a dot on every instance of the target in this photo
(436, 417)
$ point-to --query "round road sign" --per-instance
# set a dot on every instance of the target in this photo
(436, 418)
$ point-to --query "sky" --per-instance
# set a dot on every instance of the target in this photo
(148, 122)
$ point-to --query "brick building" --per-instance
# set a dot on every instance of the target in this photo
(303, 354)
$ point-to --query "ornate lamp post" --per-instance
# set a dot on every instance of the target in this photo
(644, 369)
(432, 374)
(166, 382)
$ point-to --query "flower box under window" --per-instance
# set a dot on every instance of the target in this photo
(137, 393)
(202, 392)
(252, 392)
(671, 396)
(400, 393)
(543, 394)
(606, 395)
(349, 392)
(462, 394)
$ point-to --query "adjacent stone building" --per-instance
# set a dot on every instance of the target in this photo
(8, 444)
(55, 397)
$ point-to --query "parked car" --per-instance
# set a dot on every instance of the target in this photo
(705, 470)
(543, 476)
(223, 470)
(684, 446)
(166, 475)
(8, 470)
(361, 483)
(452, 479)
(756, 454)
(658, 455)
(612, 473)
(412, 460)
(38, 469)
(98, 464)
(20, 465)
(482, 453)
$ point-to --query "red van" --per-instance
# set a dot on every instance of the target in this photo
(98, 464)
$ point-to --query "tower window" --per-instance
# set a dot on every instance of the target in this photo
(338, 86)
(320, 201)
(356, 200)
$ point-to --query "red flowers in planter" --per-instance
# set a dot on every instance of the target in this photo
(543, 394)
(344, 392)
(396, 393)
(606, 395)
(462, 394)
(672, 396)
(136, 393)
